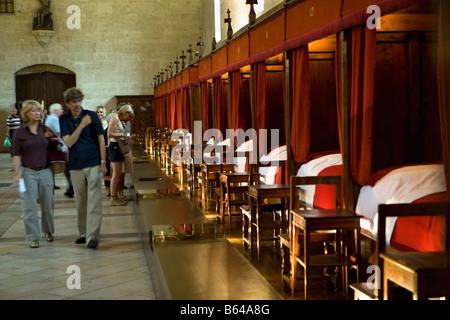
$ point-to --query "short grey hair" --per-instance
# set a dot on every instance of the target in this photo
(54, 106)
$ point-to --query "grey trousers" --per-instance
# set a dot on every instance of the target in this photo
(39, 185)
(87, 187)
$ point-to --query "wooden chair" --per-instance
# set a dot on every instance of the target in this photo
(233, 190)
(275, 210)
(210, 179)
(297, 202)
(425, 274)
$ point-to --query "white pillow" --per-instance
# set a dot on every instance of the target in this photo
(403, 185)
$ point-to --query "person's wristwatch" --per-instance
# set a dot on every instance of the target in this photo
(103, 161)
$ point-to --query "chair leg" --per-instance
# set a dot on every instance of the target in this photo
(229, 212)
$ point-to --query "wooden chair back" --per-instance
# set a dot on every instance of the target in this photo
(296, 192)
(409, 210)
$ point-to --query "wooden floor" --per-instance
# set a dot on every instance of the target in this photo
(269, 264)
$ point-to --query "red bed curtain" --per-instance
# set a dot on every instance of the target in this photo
(162, 109)
(179, 111)
(300, 131)
(260, 103)
(444, 85)
(187, 109)
(157, 113)
(205, 106)
(361, 108)
(338, 79)
(236, 103)
(220, 107)
(165, 113)
(172, 113)
(260, 95)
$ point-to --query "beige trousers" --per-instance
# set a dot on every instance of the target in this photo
(87, 187)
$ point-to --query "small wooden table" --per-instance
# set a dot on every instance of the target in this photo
(423, 273)
(256, 195)
(321, 219)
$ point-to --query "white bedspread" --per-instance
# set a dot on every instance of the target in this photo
(276, 155)
(403, 185)
(313, 168)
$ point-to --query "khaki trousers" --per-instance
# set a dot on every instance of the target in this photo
(39, 185)
(87, 185)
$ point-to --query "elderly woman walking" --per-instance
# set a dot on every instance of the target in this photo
(31, 163)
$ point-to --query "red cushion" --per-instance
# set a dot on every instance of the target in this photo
(324, 196)
(423, 233)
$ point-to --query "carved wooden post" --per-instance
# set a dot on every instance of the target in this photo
(182, 57)
(171, 69)
(230, 30)
(176, 65)
(191, 59)
(200, 45)
(252, 14)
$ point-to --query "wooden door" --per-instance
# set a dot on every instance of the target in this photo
(44, 86)
(145, 116)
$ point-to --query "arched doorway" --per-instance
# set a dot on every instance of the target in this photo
(43, 82)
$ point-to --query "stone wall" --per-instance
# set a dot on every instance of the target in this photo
(117, 51)
(119, 47)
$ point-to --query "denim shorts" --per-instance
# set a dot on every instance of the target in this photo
(114, 152)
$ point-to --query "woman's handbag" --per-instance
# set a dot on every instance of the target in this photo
(124, 146)
(56, 154)
(7, 143)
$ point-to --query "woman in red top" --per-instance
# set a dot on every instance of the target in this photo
(31, 163)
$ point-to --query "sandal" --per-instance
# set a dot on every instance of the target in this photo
(49, 237)
(34, 244)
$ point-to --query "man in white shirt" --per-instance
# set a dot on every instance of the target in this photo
(52, 122)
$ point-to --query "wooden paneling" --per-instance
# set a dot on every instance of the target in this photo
(145, 116)
(267, 35)
(309, 15)
(204, 67)
(189, 75)
(324, 124)
(405, 125)
(178, 81)
(219, 60)
(238, 49)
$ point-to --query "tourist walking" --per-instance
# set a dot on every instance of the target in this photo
(82, 133)
(32, 164)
